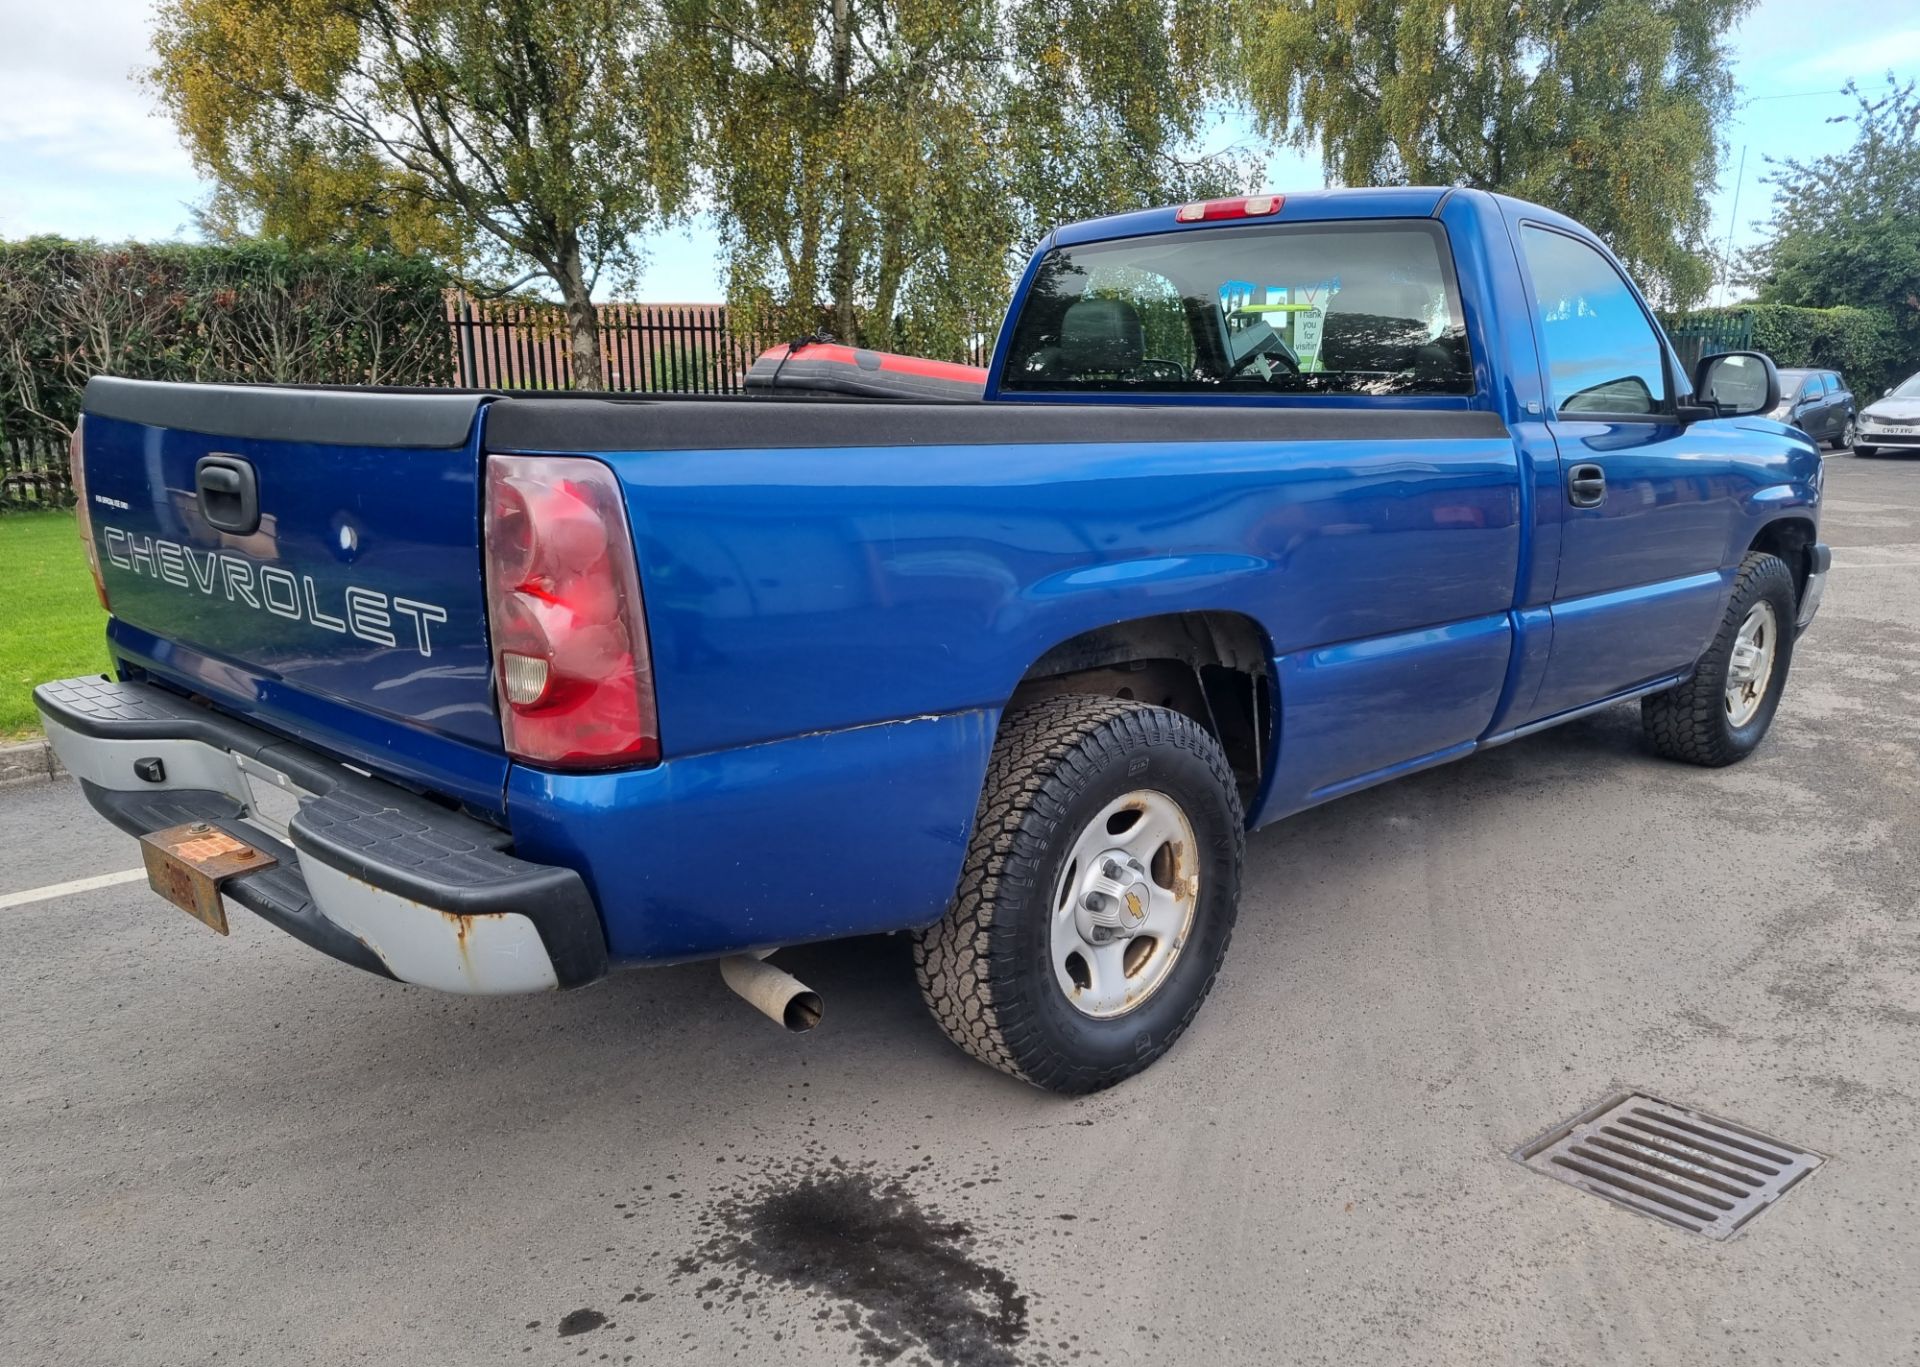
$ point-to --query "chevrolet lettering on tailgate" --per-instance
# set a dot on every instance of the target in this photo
(365, 613)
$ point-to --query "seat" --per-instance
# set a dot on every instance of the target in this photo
(1387, 336)
(1100, 337)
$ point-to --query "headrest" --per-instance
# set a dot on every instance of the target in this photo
(1101, 335)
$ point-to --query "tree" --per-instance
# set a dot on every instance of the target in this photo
(877, 163)
(1604, 109)
(525, 137)
(1846, 228)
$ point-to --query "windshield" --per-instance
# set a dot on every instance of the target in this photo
(1357, 308)
(1908, 388)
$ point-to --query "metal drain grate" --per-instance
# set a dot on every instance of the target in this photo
(1666, 1161)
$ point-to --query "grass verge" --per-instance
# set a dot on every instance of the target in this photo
(51, 625)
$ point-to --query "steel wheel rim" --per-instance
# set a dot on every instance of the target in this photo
(1750, 669)
(1108, 954)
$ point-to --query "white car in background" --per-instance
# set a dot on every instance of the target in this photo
(1891, 422)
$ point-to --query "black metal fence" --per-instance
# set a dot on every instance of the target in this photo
(33, 472)
(1708, 334)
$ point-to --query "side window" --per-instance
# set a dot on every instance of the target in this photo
(1602, 354)
(1829, 385)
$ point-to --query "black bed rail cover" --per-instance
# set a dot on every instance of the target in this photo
(416, 419)
(772, 421)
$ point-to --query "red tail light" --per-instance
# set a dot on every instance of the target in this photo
(77, 470)
(1246, 206)
(571, 665)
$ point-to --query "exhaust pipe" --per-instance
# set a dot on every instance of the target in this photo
(777, 995)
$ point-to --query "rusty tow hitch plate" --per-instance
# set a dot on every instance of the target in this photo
(187, 864)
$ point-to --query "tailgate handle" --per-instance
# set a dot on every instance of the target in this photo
(229, 494)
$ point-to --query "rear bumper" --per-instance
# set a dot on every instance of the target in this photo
(368, 872)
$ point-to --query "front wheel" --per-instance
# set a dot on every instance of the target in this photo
(1097, 897)
(1722, 713)
(1868, 451)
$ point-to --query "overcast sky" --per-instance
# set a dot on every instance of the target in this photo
(83, 153)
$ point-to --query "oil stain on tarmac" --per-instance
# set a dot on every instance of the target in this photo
(905, 1278)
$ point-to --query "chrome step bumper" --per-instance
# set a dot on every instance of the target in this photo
(368, 872)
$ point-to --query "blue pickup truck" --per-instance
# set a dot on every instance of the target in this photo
(1265, 500)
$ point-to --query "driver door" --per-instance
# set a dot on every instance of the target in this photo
(1646, 503)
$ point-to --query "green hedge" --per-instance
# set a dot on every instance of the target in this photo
(1864, 345)
(247, 311)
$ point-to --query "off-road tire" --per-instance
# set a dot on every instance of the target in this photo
(1690, 722)
(985, 967)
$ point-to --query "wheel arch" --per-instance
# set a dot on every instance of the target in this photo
(1791, 537)
(1213, 666)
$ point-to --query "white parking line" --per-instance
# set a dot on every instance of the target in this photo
(99, 880)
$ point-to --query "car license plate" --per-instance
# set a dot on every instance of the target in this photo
(187, 864)
(1898, 431)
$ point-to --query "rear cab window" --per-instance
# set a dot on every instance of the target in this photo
(1603, 356)
(1304, 309)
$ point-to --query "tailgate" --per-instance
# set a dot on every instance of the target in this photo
(352, 603)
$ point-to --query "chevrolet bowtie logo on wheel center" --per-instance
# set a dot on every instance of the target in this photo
(1116, 899)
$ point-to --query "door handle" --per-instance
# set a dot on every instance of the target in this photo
(1586, 486)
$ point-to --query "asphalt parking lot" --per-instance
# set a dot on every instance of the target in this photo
(238, 1151)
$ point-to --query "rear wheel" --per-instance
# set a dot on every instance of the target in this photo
(1722, 713)
(1097, 898)
(1847, 434)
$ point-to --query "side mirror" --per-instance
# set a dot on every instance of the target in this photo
(1735, 384)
